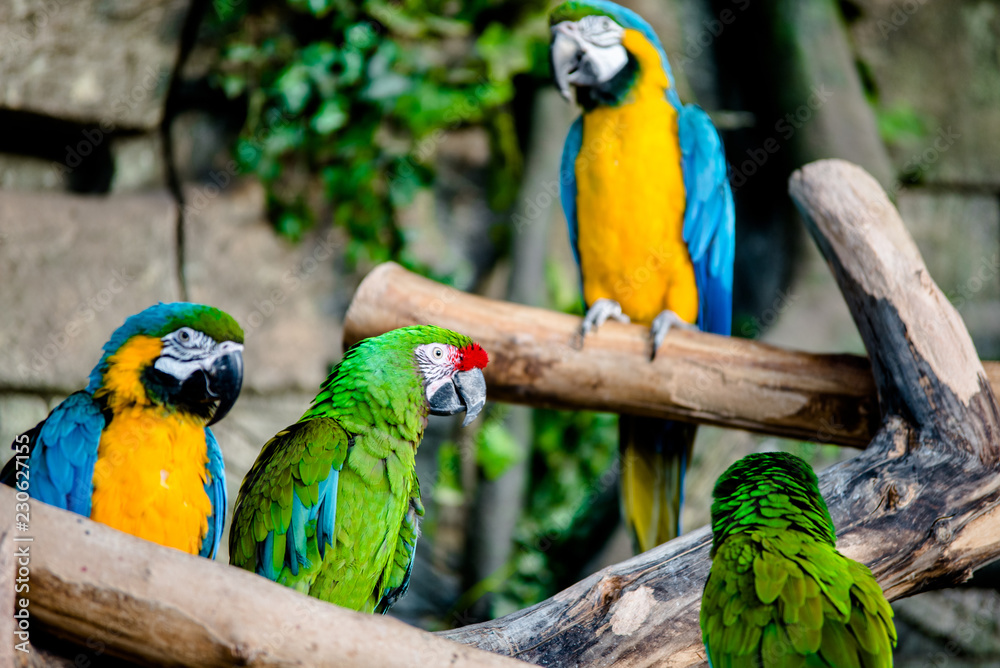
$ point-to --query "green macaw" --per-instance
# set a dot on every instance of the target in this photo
(779, 594)
(331, 506)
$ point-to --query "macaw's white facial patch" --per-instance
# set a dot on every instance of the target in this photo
(187, 350)
(601, 31)
(587, 52)
(437, 363)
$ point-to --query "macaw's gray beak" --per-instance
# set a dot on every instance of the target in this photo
(225, 379)
(578, 62)
(466, 392)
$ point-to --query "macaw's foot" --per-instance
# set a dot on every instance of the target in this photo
(599, 313)
(662, 324)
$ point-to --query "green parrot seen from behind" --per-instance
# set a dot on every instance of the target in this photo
(331, 506)
(779, 594)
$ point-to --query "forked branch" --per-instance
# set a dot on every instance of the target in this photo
(920, 506)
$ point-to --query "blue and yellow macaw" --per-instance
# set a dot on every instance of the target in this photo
(133, 450)
(645, 190)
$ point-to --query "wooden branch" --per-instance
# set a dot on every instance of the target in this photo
(920, 506)
(899, 305)
(116, 594)
(719, 380)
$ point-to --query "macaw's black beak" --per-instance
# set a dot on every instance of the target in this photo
(225, 379)
(466, 392)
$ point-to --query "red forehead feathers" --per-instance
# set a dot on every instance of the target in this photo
(472, 356)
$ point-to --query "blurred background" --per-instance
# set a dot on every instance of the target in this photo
(263, 156)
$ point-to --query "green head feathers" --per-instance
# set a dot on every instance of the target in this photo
(386, 367)
(405, 339)
(623, 16)
(394, 348)
(575, 10)
(771, 489)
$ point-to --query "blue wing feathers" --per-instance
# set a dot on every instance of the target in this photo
(323, 512)
(61, 466)
(215, 487)
(567, 182)
(326, 513)
(709, 220)
(265, 562)
(297, 541)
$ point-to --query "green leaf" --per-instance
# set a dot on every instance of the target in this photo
(496, 449)
(330, 117)
(353, 66)
(240, 53)
(233, 85)
(361, 35)
(293, 85)
(448, 490)
(291, 225)
(901, 123)
(386, 86)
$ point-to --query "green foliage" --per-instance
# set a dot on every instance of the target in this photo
(496, 449)
(573, 463)
(447, 489)
(901, 123)
(347, 101)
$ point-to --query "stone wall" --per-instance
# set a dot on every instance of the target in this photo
(934, 67)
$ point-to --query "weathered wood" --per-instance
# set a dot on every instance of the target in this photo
(702, 377)
(116, 594)
(920, 506)
(941, 384)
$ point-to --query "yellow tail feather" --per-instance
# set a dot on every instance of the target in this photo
(654, 455)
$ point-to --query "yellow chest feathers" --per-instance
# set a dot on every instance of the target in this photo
(149, 479)
(631, 199)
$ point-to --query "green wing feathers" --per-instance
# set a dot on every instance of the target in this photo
(290, 491)
(779, 594)
(397, 576)
(315, 514)
(783, 601)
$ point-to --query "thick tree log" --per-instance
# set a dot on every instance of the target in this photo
(920, 506)
(695, 376)
(116, 594)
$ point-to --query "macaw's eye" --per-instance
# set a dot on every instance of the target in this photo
(436, 354)
(184, 335)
